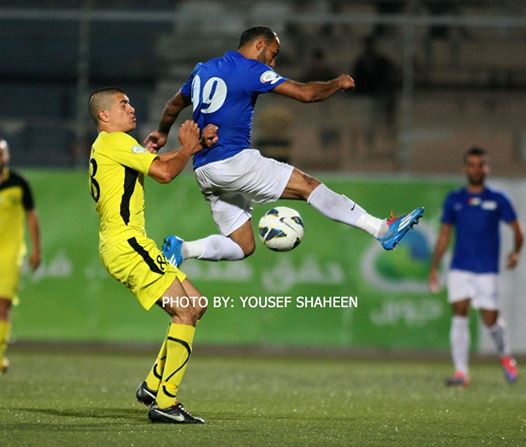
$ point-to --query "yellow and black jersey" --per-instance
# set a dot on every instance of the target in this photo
(118, 164)
(15, 200)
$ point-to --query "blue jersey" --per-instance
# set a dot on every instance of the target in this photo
(223, 91)
(476, 218)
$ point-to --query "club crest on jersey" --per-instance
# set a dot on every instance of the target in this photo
(138, 149)
(269, 76)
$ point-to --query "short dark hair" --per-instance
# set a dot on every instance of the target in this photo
(98, 99)
(257, 31)
(475, 150)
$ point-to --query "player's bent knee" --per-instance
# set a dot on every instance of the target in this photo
(184, 309)
(300, 185)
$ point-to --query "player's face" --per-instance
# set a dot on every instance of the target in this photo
(476, 169)
(122, 113)
(269, 53)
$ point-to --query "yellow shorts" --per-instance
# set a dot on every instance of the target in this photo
(141, 267)
(10, 267)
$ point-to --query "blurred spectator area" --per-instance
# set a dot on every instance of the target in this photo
(464, 75)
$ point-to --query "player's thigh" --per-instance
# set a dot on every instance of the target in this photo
(230, 211)
(139, 264)
(460, 291)
(299, 186)
(487, 292)
(244, 237)
(261, 179)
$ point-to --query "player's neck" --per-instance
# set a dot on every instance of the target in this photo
(247, 53)
(475, 189)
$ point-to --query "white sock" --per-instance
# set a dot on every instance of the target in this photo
(213, 248)
(342, 209)
(500, 337)
(459, 338)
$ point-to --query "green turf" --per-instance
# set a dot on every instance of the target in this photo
(87, 399)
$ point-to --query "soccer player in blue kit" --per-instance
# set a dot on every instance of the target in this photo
(231, 175)
(476, 211)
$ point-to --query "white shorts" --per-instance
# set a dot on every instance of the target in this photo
(481, 288)
(231, 186)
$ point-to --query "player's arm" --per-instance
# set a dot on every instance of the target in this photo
(34, 234)
(157, 139)
(518, 238)
(314, 91)
(440, 248)
(209, 137)
(168, 166)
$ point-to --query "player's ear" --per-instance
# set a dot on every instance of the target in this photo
(103, 116)
(260, 43)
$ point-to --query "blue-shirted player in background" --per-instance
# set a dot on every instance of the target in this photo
(476, 212)
(231, 175)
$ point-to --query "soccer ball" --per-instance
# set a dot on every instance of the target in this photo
(281, 228)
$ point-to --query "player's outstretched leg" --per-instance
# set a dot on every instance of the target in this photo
(340, 208)
(211, 248)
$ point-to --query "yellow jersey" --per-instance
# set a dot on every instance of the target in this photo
(117, 167)
(15, 200)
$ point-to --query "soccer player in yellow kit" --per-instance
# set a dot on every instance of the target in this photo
(16, 206)
(118, 164)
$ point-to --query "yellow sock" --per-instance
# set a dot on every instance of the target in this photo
(178, 351)
(153, 379)
(5, 329)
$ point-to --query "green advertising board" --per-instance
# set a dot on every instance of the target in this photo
(373, 299)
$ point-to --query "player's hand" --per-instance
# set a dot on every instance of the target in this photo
(155, 141)
(34, 260)
(434, 287)
(189, 137)
(513, 260)
(209, 135)
(346, 82)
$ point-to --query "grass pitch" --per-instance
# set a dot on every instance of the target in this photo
(87, 399)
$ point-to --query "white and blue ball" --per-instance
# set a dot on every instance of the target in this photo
(281, 229)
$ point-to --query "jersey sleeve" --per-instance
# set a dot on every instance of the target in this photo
(126, 151)
(507, 212)
(186, 89)
(448, 211)
(261, 78)
(27, 196)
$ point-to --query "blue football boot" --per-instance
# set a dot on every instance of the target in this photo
(398, 228)
(173, 250)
